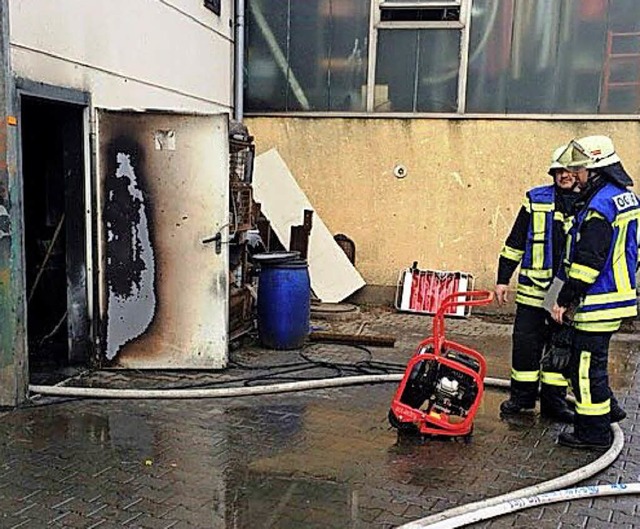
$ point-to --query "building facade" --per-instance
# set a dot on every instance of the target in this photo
(114, 170)
(467, 98)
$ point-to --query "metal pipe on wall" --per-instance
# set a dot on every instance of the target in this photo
(239, 59)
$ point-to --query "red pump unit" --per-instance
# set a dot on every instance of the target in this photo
(444, 381)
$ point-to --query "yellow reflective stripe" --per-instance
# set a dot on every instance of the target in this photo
(567, 250)
(532, 291)
(598, 326)
(539, 206)
(553, 379)
(583, 379)
(540, 281)
(592, 214)
(613, 297)
(627, 216)
(620, 269)
(525, 376)
(545, 273)
(583, 273)
(567, 220)
(526, 204)
(594, 409)
(539, 222)
(512, 254)
(531, 302)
(606, 314)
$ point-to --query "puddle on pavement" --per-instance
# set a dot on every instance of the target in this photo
(327, 459)
(316, 459)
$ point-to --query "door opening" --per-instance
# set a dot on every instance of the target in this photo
(55, 233)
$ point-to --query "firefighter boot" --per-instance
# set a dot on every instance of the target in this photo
(571, 440)
(617, 413)
(519, 402)
(553, 404)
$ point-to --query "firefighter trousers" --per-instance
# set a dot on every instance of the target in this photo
(589, 377)
(531, 334)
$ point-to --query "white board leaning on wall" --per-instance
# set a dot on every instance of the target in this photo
(333, 277)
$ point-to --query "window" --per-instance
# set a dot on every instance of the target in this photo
(213, 5)
(548, 57)
(420, 10)
(575, 57)
(417, 56)
(307, 55)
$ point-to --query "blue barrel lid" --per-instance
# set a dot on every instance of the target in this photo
(275, 258)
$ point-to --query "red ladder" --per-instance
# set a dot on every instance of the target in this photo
(612, 58)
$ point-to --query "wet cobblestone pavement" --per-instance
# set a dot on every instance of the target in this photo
(315, 459)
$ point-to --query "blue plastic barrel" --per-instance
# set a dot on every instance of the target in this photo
(284, 304)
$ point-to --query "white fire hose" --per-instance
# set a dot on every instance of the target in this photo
(551, 491)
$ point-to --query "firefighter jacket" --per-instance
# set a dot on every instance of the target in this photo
(602, 254)
(536, 242)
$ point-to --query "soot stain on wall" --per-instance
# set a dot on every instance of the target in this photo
(130, 257)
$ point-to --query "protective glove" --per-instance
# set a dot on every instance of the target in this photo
(559, 351)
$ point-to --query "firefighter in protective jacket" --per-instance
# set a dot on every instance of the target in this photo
(536, 243)
(600, 283)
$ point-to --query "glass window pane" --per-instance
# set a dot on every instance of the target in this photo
(532, 76)
(438, 67)
(328, 53)
(624, 17)
(489, 56)
(545, 56)
(347, 35)
(581, 50)
(307, 54)
(265, 75)
(513, 56)
(396, 70)
(417, 70)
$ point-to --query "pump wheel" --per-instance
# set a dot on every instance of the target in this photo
(402, 427)
(467, 438)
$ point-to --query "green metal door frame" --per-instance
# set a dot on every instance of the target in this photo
(13, 348)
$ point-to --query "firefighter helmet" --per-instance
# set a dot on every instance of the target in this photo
(555, 164)
(590, 152)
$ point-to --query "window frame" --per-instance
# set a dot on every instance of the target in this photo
(376, 24)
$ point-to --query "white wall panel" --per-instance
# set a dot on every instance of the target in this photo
(170, 54)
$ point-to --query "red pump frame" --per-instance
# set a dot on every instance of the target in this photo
(439, 424)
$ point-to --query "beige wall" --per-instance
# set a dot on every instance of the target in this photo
(464, 185)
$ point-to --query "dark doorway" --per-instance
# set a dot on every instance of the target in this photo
(55, 241)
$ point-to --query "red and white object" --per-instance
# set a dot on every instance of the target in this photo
(423, 291)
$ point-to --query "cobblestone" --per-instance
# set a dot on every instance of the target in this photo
(323, 458)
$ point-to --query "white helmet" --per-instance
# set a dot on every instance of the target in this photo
(555, 164)
(601, 151)
(591, 152)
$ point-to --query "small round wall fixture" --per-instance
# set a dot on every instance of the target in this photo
(400, 171)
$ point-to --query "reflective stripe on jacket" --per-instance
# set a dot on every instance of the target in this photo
(612, 295)
(536, 266)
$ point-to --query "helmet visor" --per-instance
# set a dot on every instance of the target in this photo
(575, 156)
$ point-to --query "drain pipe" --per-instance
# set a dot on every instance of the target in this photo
(239, 60)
